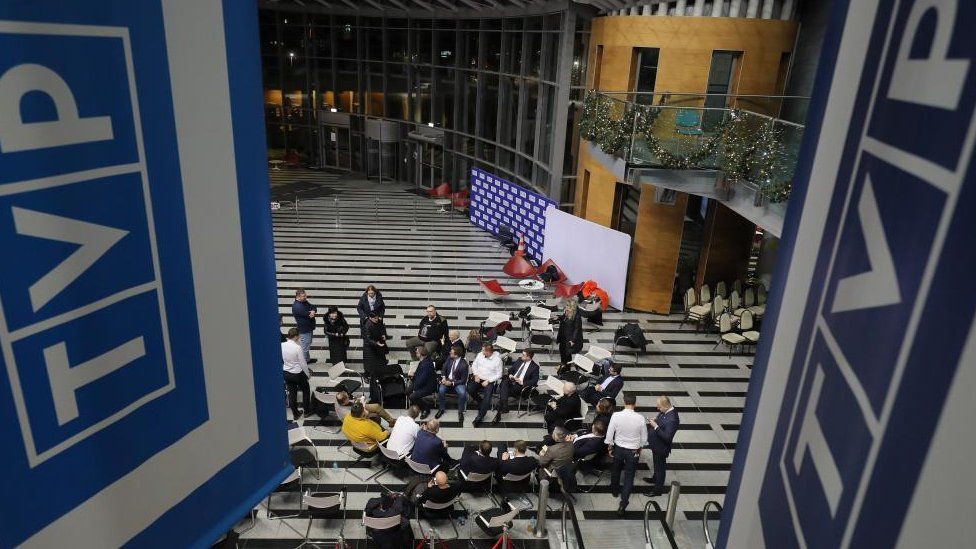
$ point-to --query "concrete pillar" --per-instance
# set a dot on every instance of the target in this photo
(646, 9)
(662, 8)
(680, 10)
(633, 10)
(767, 10)
(735, 7)
(699, 8)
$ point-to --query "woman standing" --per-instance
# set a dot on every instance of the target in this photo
(370, 302)
(374, 344)
(570, 336)
(335, 329)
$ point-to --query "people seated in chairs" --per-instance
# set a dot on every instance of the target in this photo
(391, 504)
(359, 428)
(570, 335)
(454, 340)
(439, 490)
(474, 341)
(607, 387)
(372, 410)
(455, 378)
(429, 449)
(431, 333)
(404, 432)
(587, 444)
(296, 374)
(557, 454)
(604, 409)
(486, 370)
(424, 382)
(524, 373)
(336, 329)
(477, 459)
(564, 408)
(516, 464)
(374, 344)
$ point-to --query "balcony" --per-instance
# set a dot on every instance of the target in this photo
(730, 148)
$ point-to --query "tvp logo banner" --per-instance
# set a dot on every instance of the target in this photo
(495, 201)
(862, 400)
(139, 399)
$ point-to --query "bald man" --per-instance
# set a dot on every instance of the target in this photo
(660, 435)
(439, 490)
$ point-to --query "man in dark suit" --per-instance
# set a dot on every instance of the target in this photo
(478, 459)
(524, 373)
(590, 443)
(660, 435)
(518, 463)
(455, 377)
(608, 387)
(424, 382)
(429, 449)
(563, 408)
(439, 490)
(391, 504)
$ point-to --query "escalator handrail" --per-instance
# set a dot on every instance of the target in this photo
(568, 503)
(718, 506)
(664, 525)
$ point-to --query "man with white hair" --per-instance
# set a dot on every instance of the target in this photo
(563, 408)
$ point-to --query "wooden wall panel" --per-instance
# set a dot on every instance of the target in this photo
(654, 257)
(600, 192)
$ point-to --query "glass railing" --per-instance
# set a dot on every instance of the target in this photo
(741, 136)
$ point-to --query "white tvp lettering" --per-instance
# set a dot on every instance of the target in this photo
(68, 129)
(812, 439)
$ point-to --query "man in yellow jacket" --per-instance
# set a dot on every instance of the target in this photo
(359, 428)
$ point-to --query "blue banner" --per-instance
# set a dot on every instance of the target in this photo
(496, 201)
(139, 402)
(868, 349)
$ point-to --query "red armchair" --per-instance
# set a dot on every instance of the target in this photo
(441, 191)
(493, 289)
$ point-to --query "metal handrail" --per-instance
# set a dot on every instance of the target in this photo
(710, 503)
(664, 525)
(568, 504)
(691, 94)
(717, 109)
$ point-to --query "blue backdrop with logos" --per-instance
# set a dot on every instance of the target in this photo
(495, 201)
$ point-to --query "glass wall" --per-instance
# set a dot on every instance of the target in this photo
(490, 84)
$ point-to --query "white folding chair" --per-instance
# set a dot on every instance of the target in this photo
(479, 478)
(759, 309)
(299, 434)
(428, 506)
(746, 328)
(539, 313)
(554, 385)
(582, 362)
(420, 468)
(335, 378)
(320, 503)
(596, 353)
(720, 289)
(730, 338)
(506, 344)
(693, 311)
(381, 523)
(495, 318)
(294, 479)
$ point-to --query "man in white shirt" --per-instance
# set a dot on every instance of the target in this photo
(404, 432)
(626, 435)
(296, 374)
(486, 370)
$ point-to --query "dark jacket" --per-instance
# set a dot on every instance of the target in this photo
(425, 378)
(400, 506)
(612, 389)
(571, 330)
(660, 439)
(589, 445)
(300, 310)
(567, 407)
(438, 495)
(373, 354)
(363, 306)
(605, 418)
(517, 465)
(433, 330)
(460, 373)
(335, 329)
(531, 377)
(473, 462)
(428, 448)
(633, 332)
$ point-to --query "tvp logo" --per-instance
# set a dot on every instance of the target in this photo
(851, 436)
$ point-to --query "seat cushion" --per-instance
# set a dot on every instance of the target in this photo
(733, 339)
(751, 335)
(700, 310)
(758, 310)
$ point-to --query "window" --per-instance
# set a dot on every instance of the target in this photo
(643, 74)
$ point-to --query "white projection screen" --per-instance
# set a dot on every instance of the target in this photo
(587, 251)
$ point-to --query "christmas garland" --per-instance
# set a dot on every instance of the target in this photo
(739, 148)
